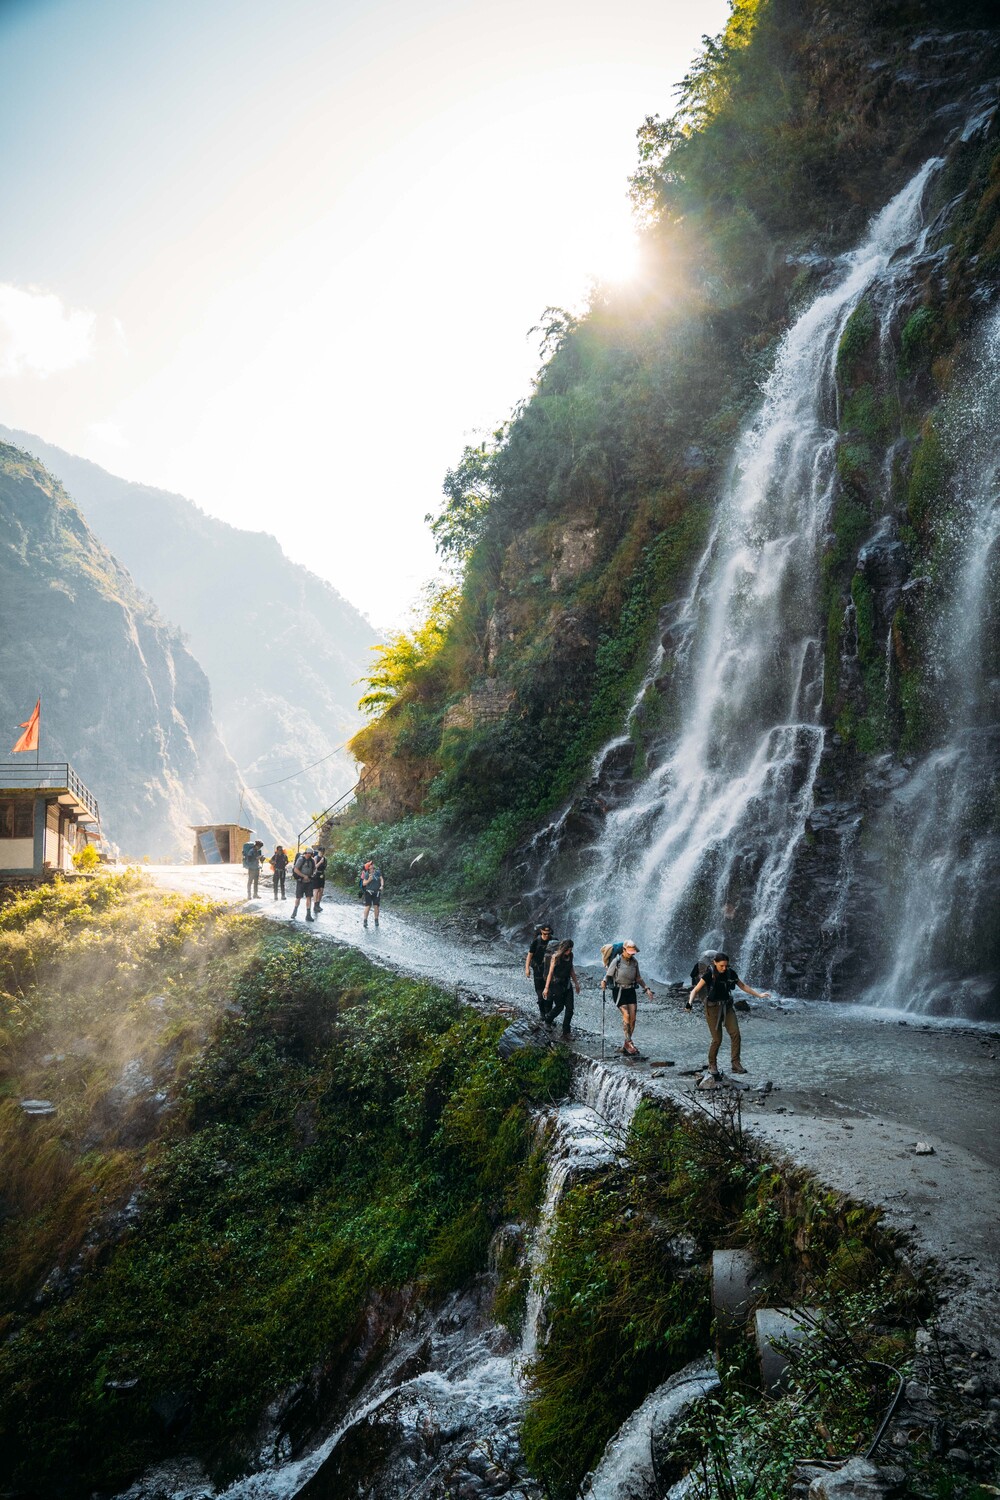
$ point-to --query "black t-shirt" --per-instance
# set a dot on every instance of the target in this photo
(537, 952)
(562, 971)
(720, 986)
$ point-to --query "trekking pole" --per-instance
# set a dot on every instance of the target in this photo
(604, 1006)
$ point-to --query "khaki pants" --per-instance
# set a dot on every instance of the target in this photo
(718, 1016)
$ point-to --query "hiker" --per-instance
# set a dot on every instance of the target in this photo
(279, 864)
(319, 879)
(304, 870)
(371, 885)
(559, 986)
(718, 984)
(624, 977)
(253, 856)
(534, 964)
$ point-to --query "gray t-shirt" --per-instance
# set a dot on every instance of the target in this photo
(624, 972)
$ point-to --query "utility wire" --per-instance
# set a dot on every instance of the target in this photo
(300, 772)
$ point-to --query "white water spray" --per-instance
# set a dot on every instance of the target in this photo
(709, 837)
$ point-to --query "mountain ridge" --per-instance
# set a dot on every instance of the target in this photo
(282, 648)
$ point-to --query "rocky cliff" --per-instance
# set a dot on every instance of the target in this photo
(720, 566)
(122, 697)
(283, 650)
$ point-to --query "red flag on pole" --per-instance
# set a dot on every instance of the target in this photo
(29, 739)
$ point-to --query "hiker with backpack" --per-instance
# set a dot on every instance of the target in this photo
(371, 885)
(535, 964)
(319, 879)
(253, 857)
(624, 977)
(717, 984)
(279, 864)
(560, 983)
(304, 870)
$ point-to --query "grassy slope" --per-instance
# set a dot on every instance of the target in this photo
(328, 1134)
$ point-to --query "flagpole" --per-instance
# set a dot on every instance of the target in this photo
(38, 735)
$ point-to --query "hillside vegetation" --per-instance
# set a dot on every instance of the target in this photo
(582, 518)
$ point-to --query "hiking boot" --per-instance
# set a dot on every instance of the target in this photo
(292, 915)
(737, 1068)
(714, 1074)
(365, 922)
(376, 921)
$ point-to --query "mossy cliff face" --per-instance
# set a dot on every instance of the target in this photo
(580, 526)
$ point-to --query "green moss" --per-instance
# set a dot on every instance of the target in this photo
(858, 333)
(865, 413)
(928, 479)
(344, 1133)
(864, 606)
(915, 339)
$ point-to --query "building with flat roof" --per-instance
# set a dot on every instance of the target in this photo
(47, 815)
(219, 843)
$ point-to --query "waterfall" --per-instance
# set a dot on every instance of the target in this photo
(702, 852)
(442, 1413)
(940, 829)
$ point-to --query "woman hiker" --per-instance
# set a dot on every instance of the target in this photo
(560, 984)
(623, 974)
(718, 984)
(279, 864)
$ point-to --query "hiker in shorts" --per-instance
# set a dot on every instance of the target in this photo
(534, 965)
(252, 860)
(624, 977)
(560, 983)
(371, 886)
(717, 985)
(319, 880)
(304, 870)
(279, 864)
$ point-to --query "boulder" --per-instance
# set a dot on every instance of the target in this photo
(857, 1480)
(519, 1037)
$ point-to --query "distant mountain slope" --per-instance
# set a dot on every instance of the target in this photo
(122, 697)
(282, 649)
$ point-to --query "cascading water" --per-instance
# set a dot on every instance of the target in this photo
(940, 829)
(703, 850)
(442, 1414)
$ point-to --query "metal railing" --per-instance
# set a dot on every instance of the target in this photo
(56, 776)
(321, 820)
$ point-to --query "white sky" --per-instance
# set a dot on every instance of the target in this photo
(284, 259)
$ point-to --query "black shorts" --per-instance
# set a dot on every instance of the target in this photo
(626, 997)
(320, 883)
(303, 888)
(371, 898)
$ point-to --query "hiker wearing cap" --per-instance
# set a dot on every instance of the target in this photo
(623, 974)
(560, 982)
(534, 965)
(717, 985)
(303, 869)
(253, 858)
(370, 884)
(319, 879)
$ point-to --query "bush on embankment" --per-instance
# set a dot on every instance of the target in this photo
(292, 1132)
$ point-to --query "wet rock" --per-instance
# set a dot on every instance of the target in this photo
(857, 1480)
(519, 1036)
(923, 1148)
(488, 922)
(640, 1459)
(37, 1108)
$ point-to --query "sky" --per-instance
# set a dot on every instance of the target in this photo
(285, 260)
